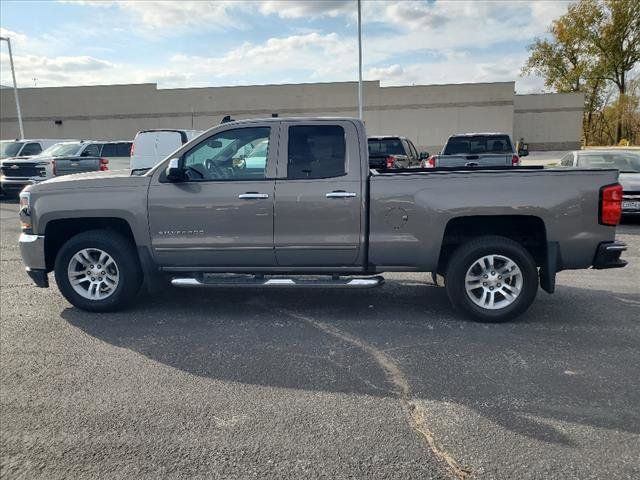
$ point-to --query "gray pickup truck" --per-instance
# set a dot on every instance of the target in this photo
(477, 150)
(307, 211)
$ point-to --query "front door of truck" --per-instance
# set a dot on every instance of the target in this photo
(222, 214)
(318, 200)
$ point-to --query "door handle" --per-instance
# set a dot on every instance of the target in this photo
(341, 194)
(253, 195)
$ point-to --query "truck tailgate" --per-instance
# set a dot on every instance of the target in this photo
(474, 160)
(69, 165)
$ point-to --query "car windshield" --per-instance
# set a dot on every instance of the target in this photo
(385, 146)
(626, 162)
(9, 148)
(477, 144)
(62, 150)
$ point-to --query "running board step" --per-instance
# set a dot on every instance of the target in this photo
(236, 280)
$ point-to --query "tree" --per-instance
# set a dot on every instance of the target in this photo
(595, 43)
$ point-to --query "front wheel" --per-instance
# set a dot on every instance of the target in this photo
(492, 279)
(98, 271)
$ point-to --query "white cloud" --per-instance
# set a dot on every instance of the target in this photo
(308, 9)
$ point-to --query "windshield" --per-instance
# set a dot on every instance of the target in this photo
(385, 146)
(478, 144)
(61, 150)
(626, 162)
(9, 148)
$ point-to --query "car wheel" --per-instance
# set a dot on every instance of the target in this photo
(491, 279)
(98, 271)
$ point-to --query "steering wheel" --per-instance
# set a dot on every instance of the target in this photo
(214, 169)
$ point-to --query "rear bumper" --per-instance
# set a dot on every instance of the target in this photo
(608, 255)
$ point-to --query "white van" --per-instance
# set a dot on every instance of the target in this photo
(152, 146)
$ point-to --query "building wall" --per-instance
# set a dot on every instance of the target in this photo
(427, 114)
(551, 121)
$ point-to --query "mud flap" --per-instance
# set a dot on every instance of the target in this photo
(549, 268)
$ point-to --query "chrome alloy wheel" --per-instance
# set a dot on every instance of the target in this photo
(93, 274)
(493, 282)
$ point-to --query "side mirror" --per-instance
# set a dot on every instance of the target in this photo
(523, 151)
(173, 171)
(423, 155)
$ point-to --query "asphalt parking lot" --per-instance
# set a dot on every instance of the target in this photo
(383, 383)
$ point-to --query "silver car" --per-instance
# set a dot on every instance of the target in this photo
(626, 161)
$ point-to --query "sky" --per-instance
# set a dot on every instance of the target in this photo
(214, 43)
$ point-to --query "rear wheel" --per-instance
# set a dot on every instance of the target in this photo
(492, 279)
(98, 271)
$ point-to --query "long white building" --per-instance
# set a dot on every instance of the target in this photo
(427, 114)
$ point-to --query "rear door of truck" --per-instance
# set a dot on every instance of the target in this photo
(319, 195)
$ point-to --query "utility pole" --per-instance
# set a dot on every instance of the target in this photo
(360, 59)
(15, 86)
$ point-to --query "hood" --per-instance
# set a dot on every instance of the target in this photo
(106, 179)
(630, 182)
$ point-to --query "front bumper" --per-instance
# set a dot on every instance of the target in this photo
(10, 184)
(608, 255)
(32, 251)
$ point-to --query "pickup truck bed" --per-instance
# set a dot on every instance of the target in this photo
(313, 206)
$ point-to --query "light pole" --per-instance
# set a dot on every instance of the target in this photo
(360, 59)
(15, 86)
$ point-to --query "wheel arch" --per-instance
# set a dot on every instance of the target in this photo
(58, 231)
(528, 230)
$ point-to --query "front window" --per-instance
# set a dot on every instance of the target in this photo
(626, 162)
(9, 148)
(62, 150)
(478, 144)
(381, 147)
(230, 155)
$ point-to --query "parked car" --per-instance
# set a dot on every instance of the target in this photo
(205, 220)
(152, 146)
(477, 150)
(387, 152)
(626, 161)
(60, 159)
(25, 148)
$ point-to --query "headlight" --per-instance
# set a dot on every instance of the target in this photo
(25, 202)
(25, 211)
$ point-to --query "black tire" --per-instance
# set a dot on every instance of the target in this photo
(125, 257)
(466, 255)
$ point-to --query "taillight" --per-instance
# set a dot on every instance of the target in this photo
(431, 162)
(133, 147)
(53, 167)
(515, 161)
(610, 204)
(391, 161)
(104, 164)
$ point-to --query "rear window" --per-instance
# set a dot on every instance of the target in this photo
(385, 146)
(477, 144)
(316, 151)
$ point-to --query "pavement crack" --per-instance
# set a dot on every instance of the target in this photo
(415, 413)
